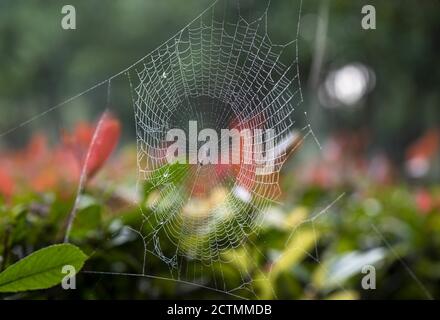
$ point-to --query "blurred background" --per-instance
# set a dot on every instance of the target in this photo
(372, 99)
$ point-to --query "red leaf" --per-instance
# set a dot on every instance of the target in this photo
(103, 142)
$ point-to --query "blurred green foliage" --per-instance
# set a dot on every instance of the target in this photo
(311, 253)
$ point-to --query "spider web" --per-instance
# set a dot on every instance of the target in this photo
(219, 72)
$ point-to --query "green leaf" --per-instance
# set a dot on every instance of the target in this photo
(41, 269)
